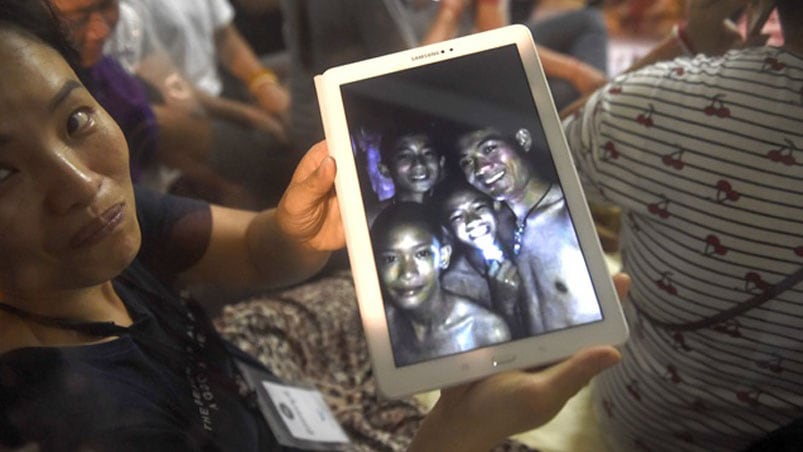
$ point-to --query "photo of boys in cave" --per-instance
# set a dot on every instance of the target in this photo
(472, 238)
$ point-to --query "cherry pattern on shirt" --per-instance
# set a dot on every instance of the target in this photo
(679, 342)
(717, 107)
(706, 223)
(660, 208)
(726, 192)
(784, 154)
(609, 151)
(645, 117)
(714, 246)
(674, 160)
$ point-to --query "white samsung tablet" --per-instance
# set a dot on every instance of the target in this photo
(470, 241)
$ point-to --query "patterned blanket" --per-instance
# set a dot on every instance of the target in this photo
(312, 334)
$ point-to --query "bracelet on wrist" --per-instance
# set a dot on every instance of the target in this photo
(262, 77)
(682, 38)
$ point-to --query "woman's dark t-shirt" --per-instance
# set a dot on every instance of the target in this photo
(168, 385)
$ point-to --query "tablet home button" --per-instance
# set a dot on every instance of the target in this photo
(502, 360)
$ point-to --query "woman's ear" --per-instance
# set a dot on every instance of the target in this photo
(525, 139)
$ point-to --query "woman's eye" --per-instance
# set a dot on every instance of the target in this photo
(79, 120)
(388, 259)
(5, 173)
(488, 149)
(456, 218)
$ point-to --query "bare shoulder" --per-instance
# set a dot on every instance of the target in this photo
(465, 307)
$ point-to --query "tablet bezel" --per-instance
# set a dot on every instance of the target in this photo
(392, 381)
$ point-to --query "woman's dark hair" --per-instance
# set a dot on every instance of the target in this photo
(38, 18)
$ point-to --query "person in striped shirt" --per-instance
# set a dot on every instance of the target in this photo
(703, 154)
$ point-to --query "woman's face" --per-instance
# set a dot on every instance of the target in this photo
(90, 23)
(67, 215)
(415, 166)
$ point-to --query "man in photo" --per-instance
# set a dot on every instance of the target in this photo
(548, 256)
(425, 320)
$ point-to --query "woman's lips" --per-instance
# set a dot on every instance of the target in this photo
(99, 228)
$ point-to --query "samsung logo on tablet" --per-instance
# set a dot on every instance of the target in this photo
(430, 54)
(426, 55)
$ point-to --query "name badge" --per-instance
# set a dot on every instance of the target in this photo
(298, 416)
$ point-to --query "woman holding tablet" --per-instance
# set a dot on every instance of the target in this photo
(94, 344)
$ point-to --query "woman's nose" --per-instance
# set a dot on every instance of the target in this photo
(71, 183)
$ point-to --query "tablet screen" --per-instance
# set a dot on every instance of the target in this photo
(472, 238)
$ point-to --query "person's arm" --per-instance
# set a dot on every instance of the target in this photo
(708, 31)
(281, 246)
(490, 14)
(519, 400)
(583, 77)
(447, 21)
(241, 113)
(237, 56)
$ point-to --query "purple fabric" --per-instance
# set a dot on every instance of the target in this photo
(125, 99)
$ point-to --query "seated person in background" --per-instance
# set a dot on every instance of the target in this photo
(247, 141)
(499, 165)
(572, 41)
(260, 24)
(236, 172)
(121, 95)
(426, 321)
(200, 37)
(91, 314)
(702, 152)
(323, 34)
(482, 266)
(320, 35)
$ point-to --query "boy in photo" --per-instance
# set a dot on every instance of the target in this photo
(483, 269)
(425, 320)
